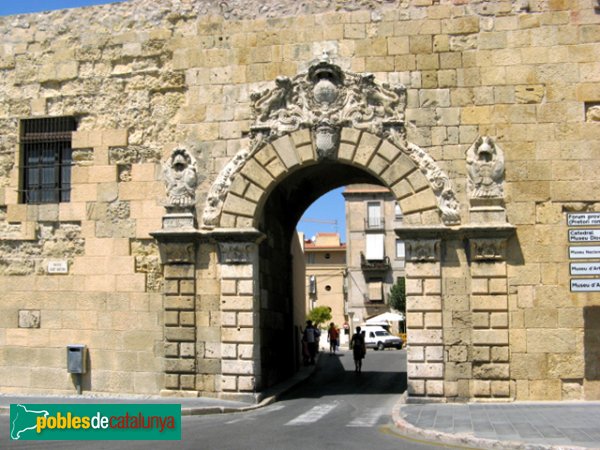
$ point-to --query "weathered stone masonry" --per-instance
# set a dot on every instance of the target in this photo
(487, 85)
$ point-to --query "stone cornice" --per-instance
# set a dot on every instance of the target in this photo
(210, 236)
(469, 231)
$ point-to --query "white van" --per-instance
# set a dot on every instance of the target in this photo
(378, 338)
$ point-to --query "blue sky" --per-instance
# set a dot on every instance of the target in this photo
(10, 7)
(328, 208)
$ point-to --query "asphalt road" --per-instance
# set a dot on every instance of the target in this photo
(335, 408)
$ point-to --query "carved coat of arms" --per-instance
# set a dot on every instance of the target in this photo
(485, 166)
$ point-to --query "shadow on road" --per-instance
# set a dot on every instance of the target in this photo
(383, 373)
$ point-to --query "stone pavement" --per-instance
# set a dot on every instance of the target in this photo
(517, 425)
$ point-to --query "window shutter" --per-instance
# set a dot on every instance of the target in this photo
(400, 249)
(374, 247)
(376, 291)
(312, 285)
(374, 215)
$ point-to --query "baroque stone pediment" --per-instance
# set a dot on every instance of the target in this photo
(326, 96)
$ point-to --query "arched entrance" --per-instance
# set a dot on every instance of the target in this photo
(323, 129)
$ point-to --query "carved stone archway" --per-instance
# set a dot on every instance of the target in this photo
(327, 116)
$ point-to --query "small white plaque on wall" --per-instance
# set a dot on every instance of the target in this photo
(585, 268)
(585, 285)
(583, 219)
(583, 252)
(586, 235)
(58, 266)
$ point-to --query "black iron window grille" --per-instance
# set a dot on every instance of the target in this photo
(46, 159)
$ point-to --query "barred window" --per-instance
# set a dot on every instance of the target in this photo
(46, 159)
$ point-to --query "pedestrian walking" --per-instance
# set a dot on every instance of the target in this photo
(333, 336)
(310, 336)
(357, 344)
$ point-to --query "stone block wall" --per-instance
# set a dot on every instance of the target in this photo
(425, 346)
(490, 339)
(145, 76)
(180, 326)
(107, 296)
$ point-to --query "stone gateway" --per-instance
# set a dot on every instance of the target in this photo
(155, 157)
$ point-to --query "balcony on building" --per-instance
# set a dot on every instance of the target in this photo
(374, 265)
(374, 223)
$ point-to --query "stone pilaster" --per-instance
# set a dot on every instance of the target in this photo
(424, 318)
(457, 311)
(179, 257)
(208, 320)
(458, 323)
(240, 341)
(489, 307)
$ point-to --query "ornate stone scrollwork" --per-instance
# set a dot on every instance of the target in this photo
(485, 167)
(219, 189)
(325, 99)
(438, 179)
(181, 179)
(271, 101)
(236, 252)
(488, 249)
(423, 250)
(593, 114)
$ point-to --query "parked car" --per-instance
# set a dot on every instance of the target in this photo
(378, 338)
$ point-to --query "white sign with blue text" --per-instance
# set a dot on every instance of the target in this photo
(585, 285)
(584, 235)
(586, 268)
(584, 252)
(583, 219)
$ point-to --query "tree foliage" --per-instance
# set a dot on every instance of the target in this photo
(319, 315)
(397, 296)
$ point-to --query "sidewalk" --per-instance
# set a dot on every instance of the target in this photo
(517, 425)
(190, 406)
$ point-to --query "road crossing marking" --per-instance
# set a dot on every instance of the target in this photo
(367, 419)
(247, 418)
(314, 414)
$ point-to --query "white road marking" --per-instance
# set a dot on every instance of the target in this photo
(266, 410)
(367, 418)
(314, 414)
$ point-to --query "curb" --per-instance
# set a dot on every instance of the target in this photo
(191, 411)
(406, 429)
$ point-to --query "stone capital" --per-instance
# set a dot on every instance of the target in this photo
(236, 252)
(177, 247)
(487, 249)
(423, 250)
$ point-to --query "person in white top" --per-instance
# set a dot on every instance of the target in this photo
(311, 338)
